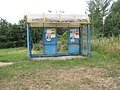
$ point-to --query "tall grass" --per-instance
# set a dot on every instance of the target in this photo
(112, 43)
(107, 52)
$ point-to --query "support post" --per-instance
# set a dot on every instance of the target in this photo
(28, 42)
(68, 41)
(43, 39)
(88, 40)
(80, 41)
(30, 36)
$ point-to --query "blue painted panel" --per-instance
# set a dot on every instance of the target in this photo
(73, 45)
(50, 49)
(60, 54)
(73, 49)
(50, 46)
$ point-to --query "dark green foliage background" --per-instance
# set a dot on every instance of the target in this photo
(14, 35)
(105, 17)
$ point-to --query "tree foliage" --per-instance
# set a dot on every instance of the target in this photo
(98, 10)
(112, 22)
(14, 35)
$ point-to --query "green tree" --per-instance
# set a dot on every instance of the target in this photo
(98, 11)
(5, 28)
(112, 22)
(22, 32)
(12, 35)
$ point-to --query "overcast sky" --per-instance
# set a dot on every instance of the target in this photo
(14, 10)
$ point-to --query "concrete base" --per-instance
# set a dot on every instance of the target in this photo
(58, 58)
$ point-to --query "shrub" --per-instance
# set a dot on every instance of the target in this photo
(36, 47)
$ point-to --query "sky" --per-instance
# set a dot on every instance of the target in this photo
(14, 10)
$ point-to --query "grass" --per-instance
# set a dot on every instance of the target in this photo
(13, 54)
(101, 71)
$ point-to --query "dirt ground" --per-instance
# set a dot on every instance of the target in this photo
(5, 63)
(76, 78)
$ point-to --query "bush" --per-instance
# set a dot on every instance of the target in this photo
(7, 44)
(36, 47)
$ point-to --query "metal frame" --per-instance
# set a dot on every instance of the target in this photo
(68, 40)
(88, 40)
(29, 42)
(80, 45)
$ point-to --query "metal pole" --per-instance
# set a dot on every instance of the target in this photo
(68, 41)
(80, 40)
(43, 39)
(88, 40)
(30, 36)
(28, 42)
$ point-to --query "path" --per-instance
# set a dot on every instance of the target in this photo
(5, 63)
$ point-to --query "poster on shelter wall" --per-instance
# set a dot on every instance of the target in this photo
(53, 33)
(74, 33)
(50, 33)
(77, 33)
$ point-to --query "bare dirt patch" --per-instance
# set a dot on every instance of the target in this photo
(77, 78)
(5, 63)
